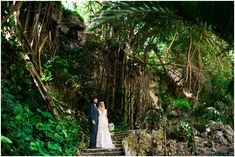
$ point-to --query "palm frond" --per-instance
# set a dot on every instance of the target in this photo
(215, 16)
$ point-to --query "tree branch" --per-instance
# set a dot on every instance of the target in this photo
(172, 40)
(13, 8)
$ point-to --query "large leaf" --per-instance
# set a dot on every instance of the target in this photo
(5, 139)
(58, 138)
(183, 103)
(54, 146)
(216, 16)
(43, 126)
(45, 114)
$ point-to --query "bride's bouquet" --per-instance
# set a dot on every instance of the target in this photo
(111, 127)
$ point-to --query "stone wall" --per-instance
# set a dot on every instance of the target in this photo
(143, 142)
(218, 139)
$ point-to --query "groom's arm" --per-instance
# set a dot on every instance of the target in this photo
(92, 114)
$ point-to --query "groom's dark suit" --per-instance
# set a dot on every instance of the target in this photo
(93, 115)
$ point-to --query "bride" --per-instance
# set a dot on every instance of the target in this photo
(103, 139)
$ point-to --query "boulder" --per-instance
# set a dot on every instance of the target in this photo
(201, 127)
(128, 144)
(223, 141)
(171, 147)
(227, 127)
(214, 126)
(213, 149)
(228, 133)
(143, 143)
(209, 144)
(214, 140)
(158, 140)
(216, 136)
(229, 138)
(196, 132)
(204, 135)
(202, 151)
(197, 139)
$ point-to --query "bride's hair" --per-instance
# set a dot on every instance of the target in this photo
(101, 103)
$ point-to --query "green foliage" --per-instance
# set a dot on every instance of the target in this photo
(119, 128)
(180, 102)
(184, 131)
(166, 101)
(37, 132)
(194, 12)
(67, 12)
(211, 113)
(27, 127)
(191, 141)
(5, 139)
(183, 127)
(47, 74)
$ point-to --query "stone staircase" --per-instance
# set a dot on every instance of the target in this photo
(117, 138)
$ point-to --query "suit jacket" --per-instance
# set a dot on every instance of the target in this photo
(93, 113)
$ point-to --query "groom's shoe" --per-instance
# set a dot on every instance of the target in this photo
(91, 147)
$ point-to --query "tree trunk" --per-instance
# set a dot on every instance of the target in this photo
(21, 23)
(164, 134)
(42, 89)
(114, 81)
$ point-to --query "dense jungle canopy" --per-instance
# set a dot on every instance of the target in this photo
(155, 65)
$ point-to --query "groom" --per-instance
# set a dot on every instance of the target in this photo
(93, 120)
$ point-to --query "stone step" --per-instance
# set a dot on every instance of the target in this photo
(117, 142)
(113, 153)
(118, 138)
(118, 145)
(120, 133)
(90, 150)
(123, 133)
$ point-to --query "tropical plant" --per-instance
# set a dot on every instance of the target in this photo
(196, 12)
(51, 67)
(174, 40)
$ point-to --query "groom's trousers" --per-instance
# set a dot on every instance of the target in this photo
(93, 132)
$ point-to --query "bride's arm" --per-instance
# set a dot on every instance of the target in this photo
(106, 113)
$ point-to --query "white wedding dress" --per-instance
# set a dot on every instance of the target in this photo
(103, 139)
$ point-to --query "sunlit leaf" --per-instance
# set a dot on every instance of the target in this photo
(182, 102)
(45, 114)
(5, 139)
(53, 146)
(18, 117)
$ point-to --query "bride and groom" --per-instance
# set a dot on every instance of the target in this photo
(99, 132)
